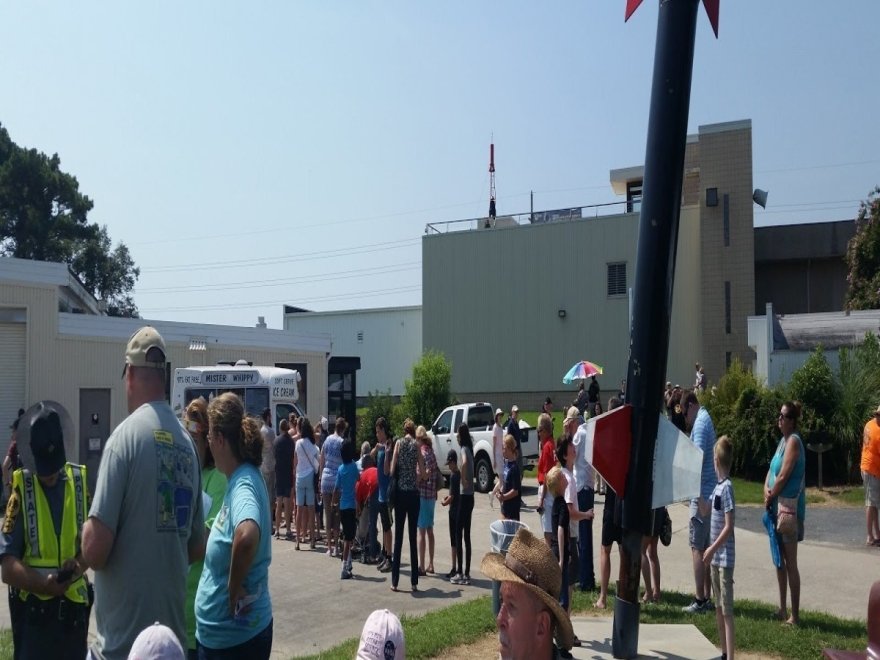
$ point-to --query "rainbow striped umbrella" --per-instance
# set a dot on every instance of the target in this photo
(581, 371)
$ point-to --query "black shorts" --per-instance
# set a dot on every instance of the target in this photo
(611, 532)
(349, 524)
(385, 516)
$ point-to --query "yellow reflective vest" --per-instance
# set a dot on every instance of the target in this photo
(43, 549)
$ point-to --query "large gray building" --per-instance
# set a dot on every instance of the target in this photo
(515, 304)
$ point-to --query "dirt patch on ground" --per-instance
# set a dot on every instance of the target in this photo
(830, 497)
(487, 647)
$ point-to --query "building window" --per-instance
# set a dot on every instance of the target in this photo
(727, 360)
(617, 279)
(727, 307)
(360, 336)
(726, 215)
(633, 196)
(711, 196)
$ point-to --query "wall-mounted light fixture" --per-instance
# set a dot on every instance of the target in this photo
(561, 313)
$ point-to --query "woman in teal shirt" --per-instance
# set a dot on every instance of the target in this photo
(785, 479)
(214, 485)
(233, 609)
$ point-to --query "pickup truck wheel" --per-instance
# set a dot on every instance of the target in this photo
(484, 476)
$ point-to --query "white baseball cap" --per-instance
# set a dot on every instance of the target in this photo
(382, 638)
(156, 642)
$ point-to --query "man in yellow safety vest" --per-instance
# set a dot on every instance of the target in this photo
(40, 559)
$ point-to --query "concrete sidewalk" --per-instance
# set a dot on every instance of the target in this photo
(315, 610)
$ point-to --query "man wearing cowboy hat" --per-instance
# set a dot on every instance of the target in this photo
(530, 615)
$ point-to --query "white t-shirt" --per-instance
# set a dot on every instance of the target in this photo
(571, 497)
(497, 446)
(306, 458)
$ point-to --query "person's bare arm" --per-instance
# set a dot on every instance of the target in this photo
(97, 543)
(195, 547)
(244, 548)
(17, 574)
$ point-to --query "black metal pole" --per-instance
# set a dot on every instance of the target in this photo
(652, 306)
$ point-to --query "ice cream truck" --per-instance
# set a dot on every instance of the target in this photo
(258, 387)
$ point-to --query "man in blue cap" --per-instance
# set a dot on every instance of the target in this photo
(40, 556)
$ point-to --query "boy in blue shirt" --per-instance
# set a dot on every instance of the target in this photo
(721, 552)
(347, 476)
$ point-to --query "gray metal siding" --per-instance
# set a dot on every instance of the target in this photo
(491, 301)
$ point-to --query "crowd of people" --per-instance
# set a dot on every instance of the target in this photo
(180, 527)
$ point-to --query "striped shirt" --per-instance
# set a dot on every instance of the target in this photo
(722, 502)
(703, 436)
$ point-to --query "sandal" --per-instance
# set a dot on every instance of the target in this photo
(431, 569)
(422, 572)
(394, 589)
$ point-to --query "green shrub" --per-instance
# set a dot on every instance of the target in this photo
(745, 410)
(814, 386)
(380, 404)
(428, 393)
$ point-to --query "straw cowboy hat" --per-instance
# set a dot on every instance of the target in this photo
(531, 563)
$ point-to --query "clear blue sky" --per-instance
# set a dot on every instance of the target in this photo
(229, 143)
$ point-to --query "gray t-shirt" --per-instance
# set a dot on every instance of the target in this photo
(148, 494)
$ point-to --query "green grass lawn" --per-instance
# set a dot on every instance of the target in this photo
(427, 636)
(756, 631)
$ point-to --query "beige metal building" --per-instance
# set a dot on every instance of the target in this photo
(514, 305)
(56, 344)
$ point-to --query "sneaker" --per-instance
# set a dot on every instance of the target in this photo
(465, 579)
(381, 563)
(386, 567)
(694, 608)
(708, 606)
(329, 552)
(456, 579)
(451, 574)
(346, 574)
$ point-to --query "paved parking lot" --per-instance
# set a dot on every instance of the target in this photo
(315, 610)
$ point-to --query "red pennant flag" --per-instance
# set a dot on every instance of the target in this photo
(612, 440)
(712, 9)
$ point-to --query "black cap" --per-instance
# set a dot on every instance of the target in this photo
(451, 457)
(548, 400)
(47, 443)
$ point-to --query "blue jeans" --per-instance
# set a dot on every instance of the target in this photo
(586, 498)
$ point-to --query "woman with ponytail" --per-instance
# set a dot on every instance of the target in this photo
(233, 610)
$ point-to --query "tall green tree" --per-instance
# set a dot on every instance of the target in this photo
(428, 392)
(863, 256)
(44, 216)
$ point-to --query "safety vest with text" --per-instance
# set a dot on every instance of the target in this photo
(45, 550)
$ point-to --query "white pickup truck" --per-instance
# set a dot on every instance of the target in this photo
(480, 419)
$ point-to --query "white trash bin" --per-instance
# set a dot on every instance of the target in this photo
(501, 533)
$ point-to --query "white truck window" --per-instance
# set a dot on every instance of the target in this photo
(444, 423)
